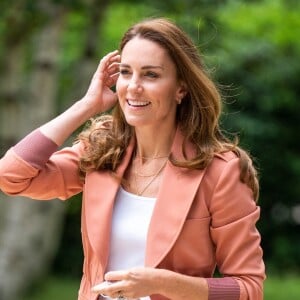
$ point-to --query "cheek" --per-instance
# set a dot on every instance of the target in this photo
(170, 95)
(120, 87)
(121, 93)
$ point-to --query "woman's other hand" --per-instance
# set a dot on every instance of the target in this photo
(135, 283)
(141, 282)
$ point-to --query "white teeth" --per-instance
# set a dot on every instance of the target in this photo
(137, 103)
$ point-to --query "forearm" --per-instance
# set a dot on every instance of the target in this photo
(177, 286)
(61, 127)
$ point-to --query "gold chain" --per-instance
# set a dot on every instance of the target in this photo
(148, 159)
(150, 181)
(153, 157)
(136, 173)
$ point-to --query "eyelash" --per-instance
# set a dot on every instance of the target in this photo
(152, 74)
(124, 72)
(148, 74)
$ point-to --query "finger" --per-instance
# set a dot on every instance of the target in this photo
(101, 287)
(115, 58)
(108, 289)
(115, 76)
(114, 65)
(107, 60)
(112, 80)
(113, 69)
(116, 275)
(111, 57)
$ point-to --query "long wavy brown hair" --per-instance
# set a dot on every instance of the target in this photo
(197, 116)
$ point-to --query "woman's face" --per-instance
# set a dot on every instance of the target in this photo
(148, 88)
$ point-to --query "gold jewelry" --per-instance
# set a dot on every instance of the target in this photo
(153, 157)
(146, 175)
(148, 159)
(150, 181)
(143, 175)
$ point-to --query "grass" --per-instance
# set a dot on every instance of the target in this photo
(282, 288)
(66, 289)
(58, 288)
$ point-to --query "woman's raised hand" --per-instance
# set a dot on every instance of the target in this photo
(99, 98)
(99, 95)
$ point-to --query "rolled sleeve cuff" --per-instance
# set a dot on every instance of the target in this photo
(223, 289)
(35, 148)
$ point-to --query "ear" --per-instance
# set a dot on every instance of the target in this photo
(181, 91)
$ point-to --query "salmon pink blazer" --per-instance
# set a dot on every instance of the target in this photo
(202, 219)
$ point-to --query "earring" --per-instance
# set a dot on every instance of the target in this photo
(179, 101)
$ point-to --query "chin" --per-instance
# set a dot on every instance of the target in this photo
(137, 122)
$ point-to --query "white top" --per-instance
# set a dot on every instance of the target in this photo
(130, 223)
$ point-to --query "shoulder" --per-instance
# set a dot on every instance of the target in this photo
(223, 170)
(222, 161)
(220, 165)
(225, 156)
(226, 192)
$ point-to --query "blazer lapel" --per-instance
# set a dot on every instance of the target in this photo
(100, 191)
(177, 192)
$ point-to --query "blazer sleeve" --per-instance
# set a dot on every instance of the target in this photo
(234, 215)
(35, 169)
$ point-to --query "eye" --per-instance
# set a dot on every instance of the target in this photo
(124, 71)
(151, 74)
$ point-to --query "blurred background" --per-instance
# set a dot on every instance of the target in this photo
(49, 50)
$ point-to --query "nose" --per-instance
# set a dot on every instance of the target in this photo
(134, 85)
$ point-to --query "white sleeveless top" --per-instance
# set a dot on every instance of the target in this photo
(130, 223)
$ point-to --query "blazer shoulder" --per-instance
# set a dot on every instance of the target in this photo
(226, 156)
(220, 162)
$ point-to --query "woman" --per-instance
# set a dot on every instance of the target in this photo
(166, 197)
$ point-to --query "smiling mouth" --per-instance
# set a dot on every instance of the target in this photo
(138, 103)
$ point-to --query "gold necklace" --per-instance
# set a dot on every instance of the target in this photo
(149, 175)
(153, 157)
(150, 181)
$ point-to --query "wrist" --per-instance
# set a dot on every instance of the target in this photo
(86, 109)
(177, 286)
(61, 127)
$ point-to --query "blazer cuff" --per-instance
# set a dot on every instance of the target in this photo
(225, 288)
(35, 148)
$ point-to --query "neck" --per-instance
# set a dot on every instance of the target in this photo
(154, 144)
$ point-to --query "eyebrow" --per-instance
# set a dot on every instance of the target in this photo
(144, 67)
